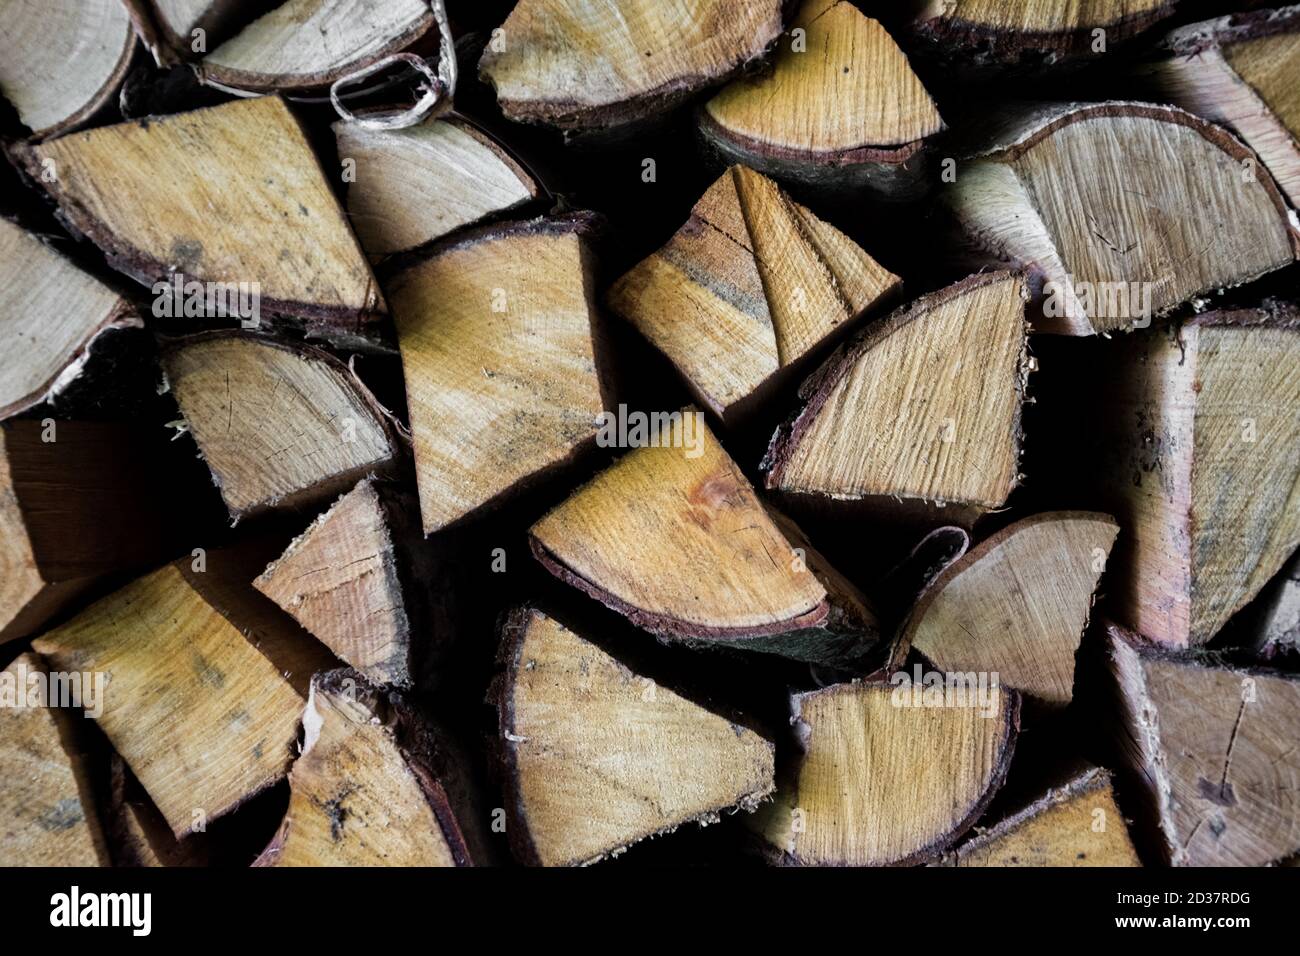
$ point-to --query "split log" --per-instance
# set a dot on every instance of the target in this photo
(882, 779)
(1214, 747)
(62, 61)
(1188, 437)
(922, 408)
(842, 108)
(327, 430)
(359, 579)
(1076, 824)
(53, 315)
(220, 196)
(584, 67)
(1017, 604)
(47, 810)
(305, 45)
(1209, 221)
(998, 34)
(139, 835)
(499, 349)
(1240, 71)
(748, 291)
(91, 501)
(596, 758)
(208, 682)
(415, 185)
(174, 30)
(371, 786)
(673, 537)
(1278, 631)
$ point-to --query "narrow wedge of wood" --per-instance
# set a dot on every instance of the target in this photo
(1017, 604)
(53, 315)
(1075, 824)
(883, 780)
(674, 538)
(62, 61)
(593, 65)
(218, 195)
(139, 835)
(1240, 71)
(415, 185)
(47, 811)
(841, 108)
(175, 30)
(358, 579)
(280, 425)
(750, 289)
(1212, 220)
(208, 680)
(1279, 625)
(304, 45)
(596, 758)
(369, 787)
(1215, 749)
(500, 352)
(922, 408)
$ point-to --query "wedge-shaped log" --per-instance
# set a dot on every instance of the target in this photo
(1215, 748)
(359, 580)
(841, 108)
(673, 537)
(748, 290)
(279, 425)
(47, 811)
(499, 352)
(175, 30)
(1240, 71)
(62, 61)
(596, 758)
(221, 196)
(579, 65)
(1278, 630)
(308, 44)
(1017, 604)
(923, 407)
(415, 185)
(371, 787)
(208, 680)
(886, 779)
(1075, 824)
(1156, 232)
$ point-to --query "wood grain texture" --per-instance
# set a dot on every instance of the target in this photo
(621, 61)
(748, 287)
(497, 340)
(597, 758)
(327, 430)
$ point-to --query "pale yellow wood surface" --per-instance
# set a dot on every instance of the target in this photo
(1040, 16)
(1270, 65)
(600, 757)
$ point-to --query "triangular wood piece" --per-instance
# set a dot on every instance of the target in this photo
(1215, 746)
(352, 579)
(499, 353)
(51, 313)
(139, 835)
(186, 29)
(596, 758)
(620, 65)
(1240, 71)
(885, 775)
(924, 407)
(748, 287)
(1017, 604)
(369, 788)
(62, 61)
(208, 680)
(308, 44)
(841, 106)
(47, 813)
(218, 195)
(1278, 630)
(415, 185)
(1076, 824)
(327, 430)
(1211, 220)
(673, 537)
